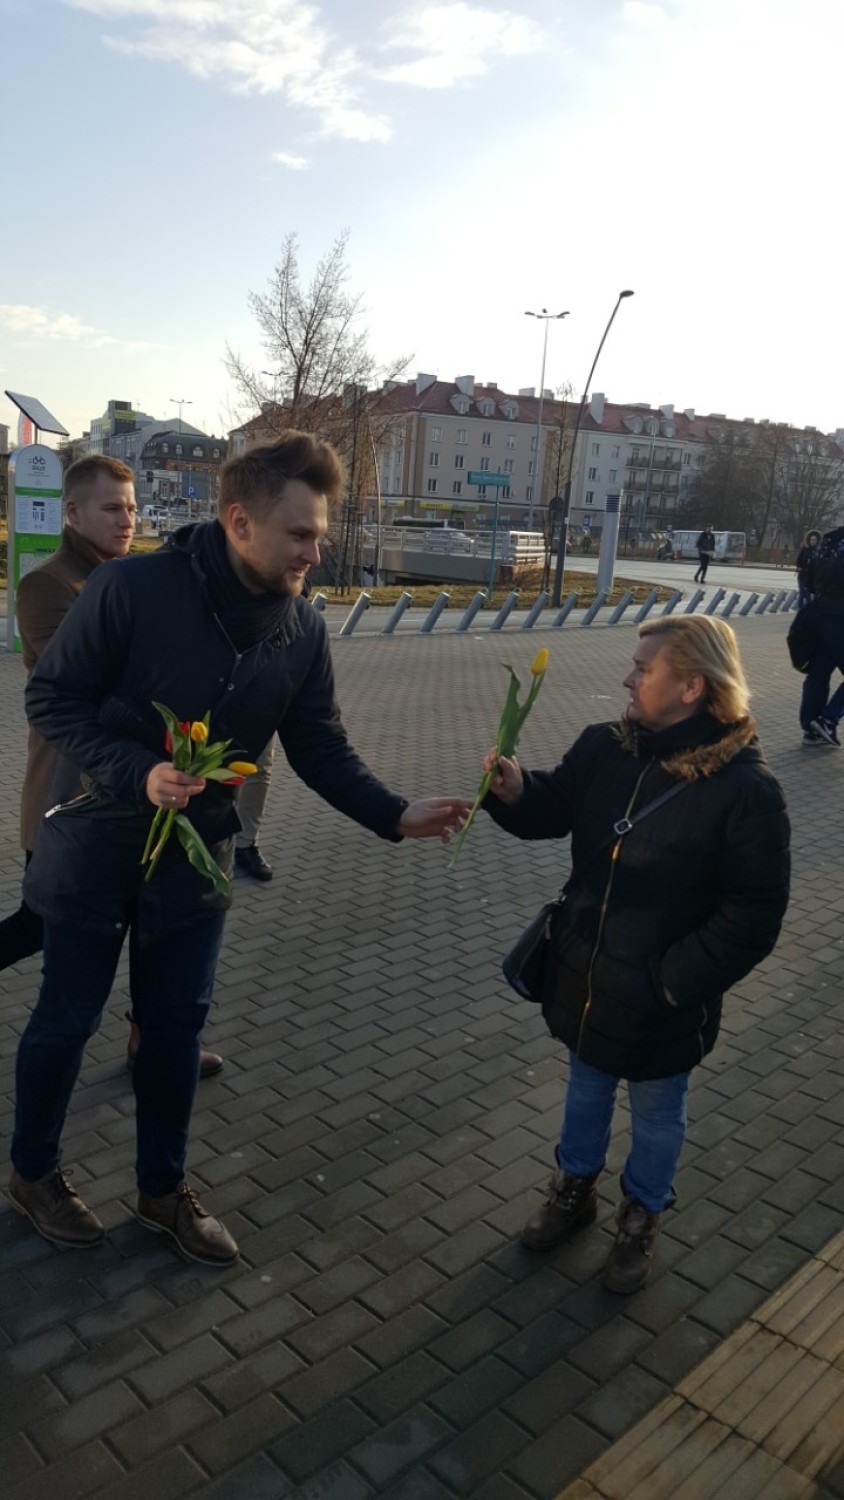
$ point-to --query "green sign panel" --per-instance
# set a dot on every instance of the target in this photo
(476, 476)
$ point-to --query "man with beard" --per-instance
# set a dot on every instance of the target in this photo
(216, 623)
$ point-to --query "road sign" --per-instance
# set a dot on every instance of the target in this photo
(587, 522)
(476, 476)
(191, 492)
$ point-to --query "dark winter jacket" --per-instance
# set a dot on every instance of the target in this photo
(146, 629)
(684, 906)
(706, 542)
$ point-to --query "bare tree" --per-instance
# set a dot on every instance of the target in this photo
(555, 468)
(810, 486)
(323, 378)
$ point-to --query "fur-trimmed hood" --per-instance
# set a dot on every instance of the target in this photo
(696, 747)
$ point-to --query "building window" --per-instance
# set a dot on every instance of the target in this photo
(484, 463)
(486, 439)
(687, 458)
(460, 461)
(457, 487)
(197, 451)
(529, 492)
(165, 447)
(432, 486)
(506, 492)
(178, 450)
(596, 448)
(436, 434)
(461, 435)
(530, 466)
(508, 466)
(593, 474)
(511, 440)
(590, 496)
(615, 451)
(481, 491)
(533, 443)
(215, 453)
(613, 475)
(433, 460)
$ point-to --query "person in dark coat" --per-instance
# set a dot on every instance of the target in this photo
(705, 549)
(803, 565)
(215, 623)
(658, 922)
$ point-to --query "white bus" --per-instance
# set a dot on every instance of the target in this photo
(730, 546)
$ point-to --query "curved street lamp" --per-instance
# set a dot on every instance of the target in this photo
(559, 571)
(535, 490)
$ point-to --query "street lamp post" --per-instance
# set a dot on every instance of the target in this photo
(559, 571)
(535, 490)
(180, 401)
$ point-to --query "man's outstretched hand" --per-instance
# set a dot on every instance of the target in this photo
(433, 818)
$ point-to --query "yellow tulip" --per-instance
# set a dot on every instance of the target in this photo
(198, 732)
(241, 768)
(540, 662)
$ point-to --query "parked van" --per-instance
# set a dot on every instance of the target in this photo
(153, 516)
(730, 546)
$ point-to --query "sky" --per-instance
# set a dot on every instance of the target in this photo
(486, 158)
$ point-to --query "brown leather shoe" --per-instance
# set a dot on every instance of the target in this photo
(56, 1210)
(570, 1202)
(210, 1063)
(632, 1254)
(198, 1235)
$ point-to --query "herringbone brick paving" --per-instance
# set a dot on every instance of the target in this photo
(386, 1113)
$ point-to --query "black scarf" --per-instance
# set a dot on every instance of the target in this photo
(246, 618)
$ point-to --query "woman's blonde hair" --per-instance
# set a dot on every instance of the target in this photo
(698, 643)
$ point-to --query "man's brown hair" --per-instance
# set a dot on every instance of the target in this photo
(257, 479)
(83, 475)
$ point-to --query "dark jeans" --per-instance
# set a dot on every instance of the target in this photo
(828, 654)
(703, 564)
(21, 934)
(173, 978)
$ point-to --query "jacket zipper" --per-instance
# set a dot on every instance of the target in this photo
(616, 850)
(66, 806)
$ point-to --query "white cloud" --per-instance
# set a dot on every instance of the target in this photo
(455, 41)
(28, 324)
(295, 163)
(251, 46)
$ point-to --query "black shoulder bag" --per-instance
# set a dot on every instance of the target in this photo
(524, 967)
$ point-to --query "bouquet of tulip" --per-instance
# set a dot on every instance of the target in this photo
(193, 753)
(513, 717)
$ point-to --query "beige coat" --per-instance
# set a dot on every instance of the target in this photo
(44, 597)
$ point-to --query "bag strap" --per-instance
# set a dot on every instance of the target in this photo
(623, 827)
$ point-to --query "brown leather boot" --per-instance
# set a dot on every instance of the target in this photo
(210, 1063)
(570, 1203)
(632, 1255)
(181, 1215)
(56, 1210)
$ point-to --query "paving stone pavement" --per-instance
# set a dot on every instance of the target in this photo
(383, 1121)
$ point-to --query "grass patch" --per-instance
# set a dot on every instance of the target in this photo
(528, 585)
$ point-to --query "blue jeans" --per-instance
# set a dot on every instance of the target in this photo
(658, 1112)
(171, 983)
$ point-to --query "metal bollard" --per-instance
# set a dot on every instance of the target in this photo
(715, 601)
(506, 609)
(791, 601)
(434, 613)
(561, 617)
(397, 611)
(319, 601)
(672, 602)
(600, 601)
(646, 608)
(763, 604)
(694, 601)
(479, 599)
(748, 604)
(730, 606)
(621, 607)
(778, 601)
(538, 607)
(357, 610)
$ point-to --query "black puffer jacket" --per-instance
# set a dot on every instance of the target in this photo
(692, 900)
(146, 630)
